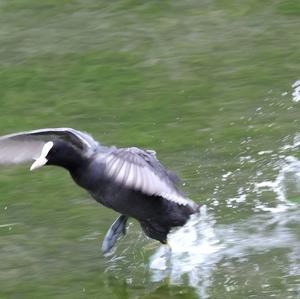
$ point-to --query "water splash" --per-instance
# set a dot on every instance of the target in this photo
(296, 92)
(286, 185)
(193, 254)
(203, 246)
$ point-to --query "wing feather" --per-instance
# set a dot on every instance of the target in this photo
(12, 152)
(140, 170)
(26, 146)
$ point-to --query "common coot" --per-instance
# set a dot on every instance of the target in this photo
(130, 181)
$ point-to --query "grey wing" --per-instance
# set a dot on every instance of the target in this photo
(26, 146)
(141, 171)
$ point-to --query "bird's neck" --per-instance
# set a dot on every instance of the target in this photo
(74, 163)
(80, 173)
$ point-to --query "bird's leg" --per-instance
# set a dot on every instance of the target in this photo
(168, 254)
(114, 232)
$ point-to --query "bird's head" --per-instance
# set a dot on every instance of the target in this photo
(59, 153)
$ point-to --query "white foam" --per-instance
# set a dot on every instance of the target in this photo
(193, 254)
(296, 92)
(289, 173)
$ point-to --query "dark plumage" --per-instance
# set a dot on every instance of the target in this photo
(130, 181)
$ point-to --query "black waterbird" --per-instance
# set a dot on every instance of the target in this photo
(130, 181)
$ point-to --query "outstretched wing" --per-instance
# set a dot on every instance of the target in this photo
(141, 171)
(25, 146)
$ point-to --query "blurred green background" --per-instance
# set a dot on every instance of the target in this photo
(207, 84)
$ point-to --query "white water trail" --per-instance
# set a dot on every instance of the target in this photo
(202, 245)
(285, 186)
(193, 254)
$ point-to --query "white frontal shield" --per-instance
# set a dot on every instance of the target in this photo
(41, 161)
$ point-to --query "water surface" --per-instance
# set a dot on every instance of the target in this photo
(213, 87)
